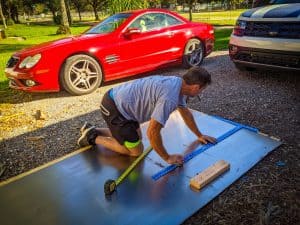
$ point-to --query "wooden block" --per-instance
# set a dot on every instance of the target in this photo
(209, 174)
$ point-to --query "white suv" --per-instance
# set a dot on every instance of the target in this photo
(268, 36)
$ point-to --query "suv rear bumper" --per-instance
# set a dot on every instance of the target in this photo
(265, 52)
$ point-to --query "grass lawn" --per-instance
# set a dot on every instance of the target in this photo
(217, 18)
(35, 34)
(222, 38)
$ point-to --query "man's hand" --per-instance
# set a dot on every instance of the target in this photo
(204, 139)
(175, 159)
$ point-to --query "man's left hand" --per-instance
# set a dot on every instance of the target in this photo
(204, 139)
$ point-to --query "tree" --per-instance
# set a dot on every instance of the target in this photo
(64, 28)
(54, 6)
(155, 3)
(14, 12)
(69, 12)
(7, 10)
(96, 5)
(233, 3)
(79, 5)
(2, 16)
(10, 9)
(191, 2)
(28, 6)
(124, 5)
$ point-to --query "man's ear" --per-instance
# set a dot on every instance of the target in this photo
(195, 87)
(202, 87)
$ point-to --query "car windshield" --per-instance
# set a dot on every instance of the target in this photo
(274, 2)
(110, 24)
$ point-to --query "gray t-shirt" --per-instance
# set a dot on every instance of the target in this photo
(151, 97)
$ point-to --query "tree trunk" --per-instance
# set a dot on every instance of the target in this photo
(9, 11)
(2, 16)
(69, 12)
(15, 14)
(79, 15)
(64, 28)
(64, 17)
(190, 10)
(96, 13)
(52, 11)
(79, 12)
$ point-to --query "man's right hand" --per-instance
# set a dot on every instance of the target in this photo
(175, 159)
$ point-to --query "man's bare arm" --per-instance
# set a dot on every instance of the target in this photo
(156, 142)
(189, 120)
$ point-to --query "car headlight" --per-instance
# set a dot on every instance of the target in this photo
(241, 24)
(24, 62)
(30, 61)
(240, 27)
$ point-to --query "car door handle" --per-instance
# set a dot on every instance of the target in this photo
(170, 34)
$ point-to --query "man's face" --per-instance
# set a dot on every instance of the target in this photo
(196, 89)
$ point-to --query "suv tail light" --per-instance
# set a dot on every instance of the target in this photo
(239, 28)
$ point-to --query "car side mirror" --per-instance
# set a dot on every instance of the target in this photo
(131, 31)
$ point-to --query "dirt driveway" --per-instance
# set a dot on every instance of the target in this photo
(267, 194)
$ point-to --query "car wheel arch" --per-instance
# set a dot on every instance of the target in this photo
(82, 53)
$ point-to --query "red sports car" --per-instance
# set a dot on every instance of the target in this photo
(120, 46)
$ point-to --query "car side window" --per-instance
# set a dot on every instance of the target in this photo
(172, 20)
(154, 21)
(138, 23)
(161, 20)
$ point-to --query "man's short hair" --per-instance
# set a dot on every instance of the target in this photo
(197, 75)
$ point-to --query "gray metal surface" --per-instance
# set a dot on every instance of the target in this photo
(71, 191)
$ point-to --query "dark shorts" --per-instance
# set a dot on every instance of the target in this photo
(122, 130)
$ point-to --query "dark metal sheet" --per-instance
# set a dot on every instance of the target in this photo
(71, 191)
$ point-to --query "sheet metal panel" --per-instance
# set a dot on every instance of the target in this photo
(71, 191)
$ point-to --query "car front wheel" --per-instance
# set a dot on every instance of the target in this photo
(193, 53)
(81, 74)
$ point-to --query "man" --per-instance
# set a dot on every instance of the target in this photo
(152, 98)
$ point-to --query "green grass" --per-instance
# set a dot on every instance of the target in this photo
(217, 18)
(42, 32)
(222, 38)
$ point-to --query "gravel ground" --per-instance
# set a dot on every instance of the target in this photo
(267, 194)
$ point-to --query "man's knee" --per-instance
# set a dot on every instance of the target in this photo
(137, 150)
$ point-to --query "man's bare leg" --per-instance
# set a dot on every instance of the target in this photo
(105, 131)
(107, 141)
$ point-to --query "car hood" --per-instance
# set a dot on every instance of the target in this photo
(274, 11)
(60, 43)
